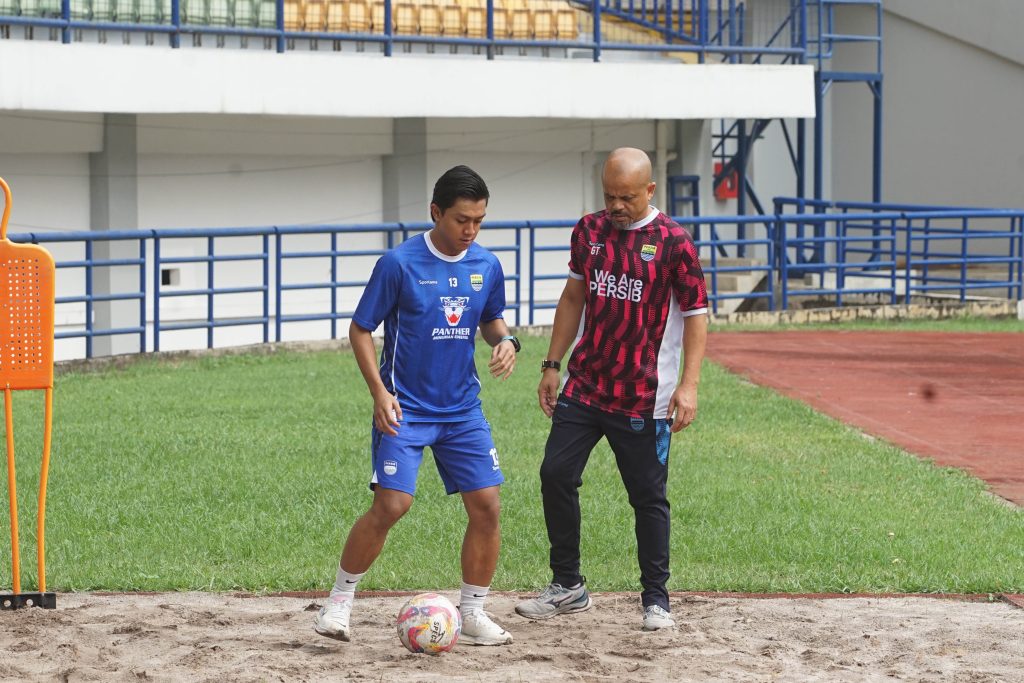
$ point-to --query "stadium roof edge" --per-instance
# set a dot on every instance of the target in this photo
(137, 79)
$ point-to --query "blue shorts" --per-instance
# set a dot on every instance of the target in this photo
(464, 454)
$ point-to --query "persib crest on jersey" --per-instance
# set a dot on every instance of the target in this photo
(454, 307)
(476, 280)
(648, 252)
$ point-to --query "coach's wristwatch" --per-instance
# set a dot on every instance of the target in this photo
(554, 364)
(515, 341)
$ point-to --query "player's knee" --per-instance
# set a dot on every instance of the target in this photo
(484, 510)
(386, 512)
(554, 475)
(488, 515)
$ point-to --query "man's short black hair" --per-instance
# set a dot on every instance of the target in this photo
(458, 182)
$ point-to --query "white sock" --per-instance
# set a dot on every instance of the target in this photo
(472, 598)
(345, 582)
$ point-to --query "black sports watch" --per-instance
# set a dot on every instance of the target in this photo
(554, 364)
(515, 341)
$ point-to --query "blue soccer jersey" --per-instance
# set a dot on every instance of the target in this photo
(431, 305)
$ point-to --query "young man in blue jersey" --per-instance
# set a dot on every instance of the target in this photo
(432, 293)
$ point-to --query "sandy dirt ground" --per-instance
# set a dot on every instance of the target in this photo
(219, 637)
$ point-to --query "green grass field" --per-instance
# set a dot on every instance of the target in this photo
(245, 472)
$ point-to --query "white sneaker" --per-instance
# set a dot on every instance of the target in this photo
(478, 629)
(656, 618)
(332, 621)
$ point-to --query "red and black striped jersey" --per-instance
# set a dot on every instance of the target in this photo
(641, 283)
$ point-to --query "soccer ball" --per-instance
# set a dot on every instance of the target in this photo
(429, 623)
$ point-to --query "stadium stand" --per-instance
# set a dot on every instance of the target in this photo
(222, 12)
(293, 15)
(430, 19)
(154, 11)
(315, 15)
(543, 20)
(126, 11)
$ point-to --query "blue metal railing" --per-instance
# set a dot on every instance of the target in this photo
(211, 290)
(910, 250)
(683, 26)
(153, 261)
(889, 255)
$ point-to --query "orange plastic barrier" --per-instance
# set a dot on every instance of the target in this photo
(27, 275)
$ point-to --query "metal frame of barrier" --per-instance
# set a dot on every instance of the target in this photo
(886, 254)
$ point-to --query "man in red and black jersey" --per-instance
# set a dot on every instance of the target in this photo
(635, 281)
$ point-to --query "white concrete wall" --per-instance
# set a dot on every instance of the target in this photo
(91, 78)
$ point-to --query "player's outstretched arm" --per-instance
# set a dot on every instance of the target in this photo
(387, 413)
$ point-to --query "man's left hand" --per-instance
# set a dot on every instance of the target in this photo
(503, 360)
(684, 405)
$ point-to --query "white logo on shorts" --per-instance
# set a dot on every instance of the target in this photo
(494, 457)
(390, 467)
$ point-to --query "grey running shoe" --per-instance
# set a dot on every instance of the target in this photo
(656, 618)
(555, 600)
(478, 629)
(332, 621)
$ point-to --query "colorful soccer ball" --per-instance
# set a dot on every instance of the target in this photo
(429, 623)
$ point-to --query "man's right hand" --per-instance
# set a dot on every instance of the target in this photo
(387, 414)
(547, 390)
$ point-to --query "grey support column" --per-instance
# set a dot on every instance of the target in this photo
(114, 205)
(406, 187)
(694, 141)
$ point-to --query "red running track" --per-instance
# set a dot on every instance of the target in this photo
(955, 398)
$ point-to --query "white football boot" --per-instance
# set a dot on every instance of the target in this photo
(478, 629)
(332, 621)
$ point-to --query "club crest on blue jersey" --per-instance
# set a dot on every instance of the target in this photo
(454, 307)
(476, 281)
(648, 252)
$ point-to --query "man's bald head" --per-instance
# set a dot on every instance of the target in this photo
(628, 162)
(627, 184)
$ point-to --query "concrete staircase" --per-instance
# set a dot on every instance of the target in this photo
(738, 282)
